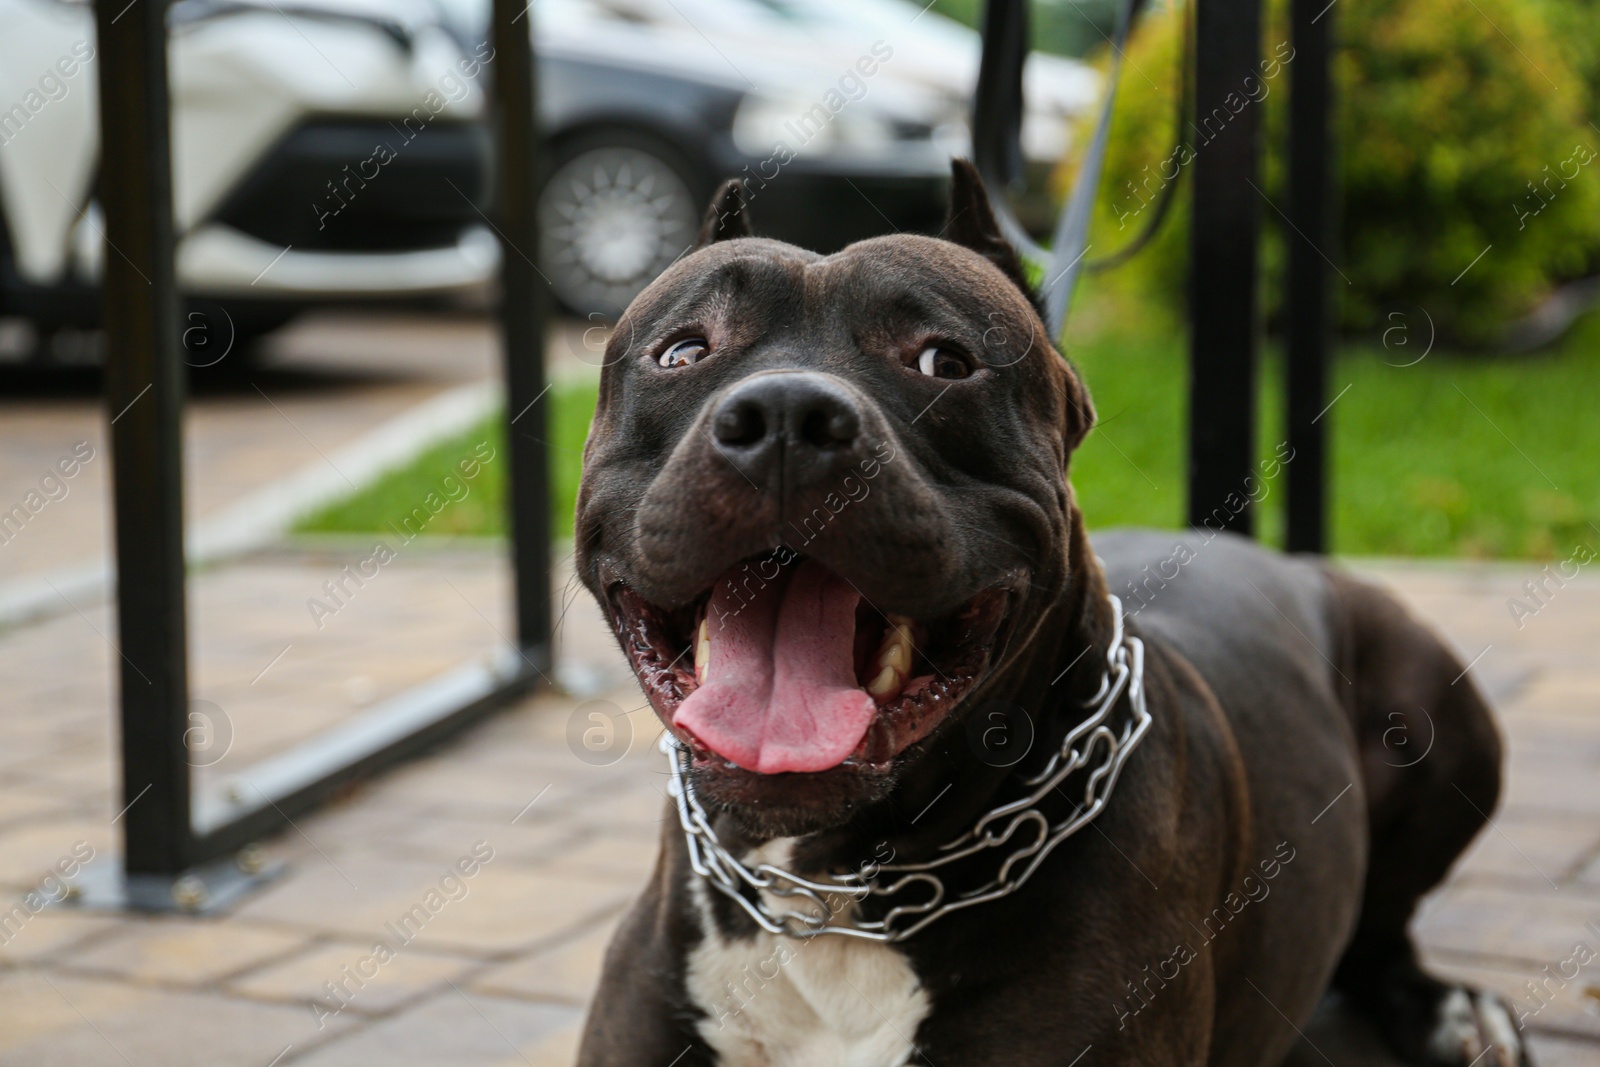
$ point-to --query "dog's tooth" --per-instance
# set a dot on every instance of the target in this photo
(702, 652)
(895, 648)
(899, 651)
(892, 662)
(885, 685)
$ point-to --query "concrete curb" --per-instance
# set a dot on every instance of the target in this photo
(271, 510)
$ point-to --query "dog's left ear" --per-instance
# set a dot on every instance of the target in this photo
(727, 217)
(971, 224)
(1080, 416)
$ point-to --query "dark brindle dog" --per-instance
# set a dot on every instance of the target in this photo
(939, 797)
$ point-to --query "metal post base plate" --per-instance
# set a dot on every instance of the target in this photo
(205, 890)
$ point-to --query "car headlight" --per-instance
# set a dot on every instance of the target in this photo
(809, 126)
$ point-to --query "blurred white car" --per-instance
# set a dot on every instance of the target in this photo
(335, 150)
(841, 116)
(326, 151)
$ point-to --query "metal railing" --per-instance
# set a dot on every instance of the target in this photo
(178, 846)
(1225, 226)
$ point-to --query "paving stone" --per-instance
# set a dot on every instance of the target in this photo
(1565, 786)
(32, 850)
(75, 773)
(499, 910)
(35, 1005)
(1534, 737)
(439, 837)
(273, 702)
(353, 896)
(385, 823)
(20, 804)
(65, 1021)
(362, 981)
(45, 934)
(1522, 847)
(560, 1049)
(1551, 1050)
(1531, 926)
(514, 908)
(1588, 878)
(1570, 692)
(567, 972)
(526, 939)
(452, 1029)
(183, 951)
(461, 788)
(356, 819)
(629, 858)
(645, 804)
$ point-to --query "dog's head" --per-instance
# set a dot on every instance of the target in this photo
(824, 501)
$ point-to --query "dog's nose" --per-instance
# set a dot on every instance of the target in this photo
(791, 426)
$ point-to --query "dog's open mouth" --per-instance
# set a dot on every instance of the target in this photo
(787, 668)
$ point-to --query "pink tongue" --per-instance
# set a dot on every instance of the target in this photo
(780, 691)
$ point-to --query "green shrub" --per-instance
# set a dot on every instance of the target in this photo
(1575, 26)
(1444, 130)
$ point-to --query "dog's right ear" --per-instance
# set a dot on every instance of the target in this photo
(971, 224)
(727, 217)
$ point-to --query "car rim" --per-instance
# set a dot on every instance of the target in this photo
(613, 218)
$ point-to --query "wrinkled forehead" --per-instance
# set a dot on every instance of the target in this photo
(897, 282)
(925, 278)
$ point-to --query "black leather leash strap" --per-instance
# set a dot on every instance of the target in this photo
(1068, 247)
(997, 122)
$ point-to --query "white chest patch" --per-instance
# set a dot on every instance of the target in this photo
(784, 1002)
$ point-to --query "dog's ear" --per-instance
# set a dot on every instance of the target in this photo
(971, 224)
(727, 217)
(1080, 416)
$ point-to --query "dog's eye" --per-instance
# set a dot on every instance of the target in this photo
(684, 352)
(938, 362)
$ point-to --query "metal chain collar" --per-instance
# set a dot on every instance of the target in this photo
(828, 902)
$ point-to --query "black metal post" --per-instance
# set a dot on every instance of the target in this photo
(144, 401)
(1312, 211)
(178, 848)
(524, 304)
(1222, 268)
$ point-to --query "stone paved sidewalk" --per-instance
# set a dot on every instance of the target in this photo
(324, 384)
(499, 971)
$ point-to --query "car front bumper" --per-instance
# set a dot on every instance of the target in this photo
(219, 261)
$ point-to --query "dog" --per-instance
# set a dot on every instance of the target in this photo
(937, 795)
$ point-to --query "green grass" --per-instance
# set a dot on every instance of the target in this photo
(1484, 457)
(1468, 456)
(1454, 456)
(384, 505)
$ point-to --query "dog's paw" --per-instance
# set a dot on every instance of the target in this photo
(1475, 1029)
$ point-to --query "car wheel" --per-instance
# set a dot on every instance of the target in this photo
(613, 216)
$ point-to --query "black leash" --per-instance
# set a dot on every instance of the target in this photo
(1184, 104)
(1068, 247)
(997, 152)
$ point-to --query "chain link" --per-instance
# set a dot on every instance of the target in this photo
(827, 904)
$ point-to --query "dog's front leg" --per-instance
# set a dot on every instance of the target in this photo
(639, 1017)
